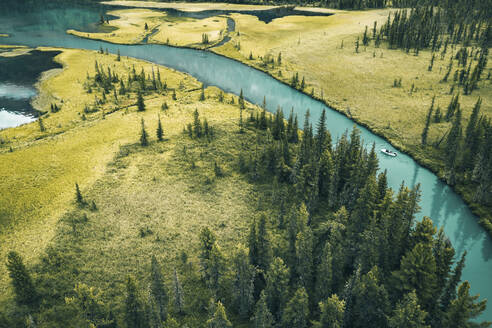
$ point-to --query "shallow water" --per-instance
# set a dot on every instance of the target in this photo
(17, 78)
(438, 200)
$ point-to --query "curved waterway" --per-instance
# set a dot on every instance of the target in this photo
(439, 201)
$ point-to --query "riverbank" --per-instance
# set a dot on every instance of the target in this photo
(130, 28)
(37, 178)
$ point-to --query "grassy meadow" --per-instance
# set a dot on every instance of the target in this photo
(38, 176)
(129, 28)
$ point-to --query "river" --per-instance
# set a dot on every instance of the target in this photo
(46, 27)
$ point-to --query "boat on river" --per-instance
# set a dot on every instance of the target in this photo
(388, 152)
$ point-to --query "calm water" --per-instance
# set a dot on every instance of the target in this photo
(17, 78)
(438, 200)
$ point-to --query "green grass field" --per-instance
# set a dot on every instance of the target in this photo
(37, 178)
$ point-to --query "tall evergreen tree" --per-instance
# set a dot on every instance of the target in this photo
(332, 311)
(296, 314)
(262, 317)
(134, 308)
(323, 287)
(425, 132)
(140, 102)
(143, 135)
(179, 299)
(159, 131)
(244, 275)
(24, 289)
(158, 289)
(408, 314)
(276, 290)
(219, 319)
(464, 309)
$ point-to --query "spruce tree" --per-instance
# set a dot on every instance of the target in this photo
(296, 314)
(370, 301)
(244, 275)
(464, 309)
(179, 300)
(143, 135)
(418, 272)
(241, 100)
(425, 132)
(78, 195)
(304, 258)
(41, 125)
(197, 125)
(324, 273)
(202, 94)
(134, 309)
(276, 290)
(140, 102)
(408, 314)
(219, 319)
(24, 289)
(158, 289)
(262, 317)
(159, 132)
(332, 311)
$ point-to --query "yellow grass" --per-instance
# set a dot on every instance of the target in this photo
(37, 178)
(177, 31)
(12, 51)
(190, 7)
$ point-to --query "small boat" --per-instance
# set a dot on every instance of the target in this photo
(388, 152)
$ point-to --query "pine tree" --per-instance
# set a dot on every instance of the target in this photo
(425, 132)
(24, 289)
(418, 272)
(140, 102)
(408, 314)
(304, 258)
(449, 293)
(158, 289)
(262, 317)
(324, 273)
(41, 125)
(134, 309)
(332, 311)
(219, 319)
(296, 314)
(202, 94)
(464, 309)
(452, 148)
(143, 135)
(159, 132)
(78, 195)
(264, 247)
(197, 125)
(276, 290)
(244, 275)
(323, 138)
(179, 300)
(241, 100)
(370, 301)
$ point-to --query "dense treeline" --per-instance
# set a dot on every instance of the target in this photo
(466, 149)
(332, 247)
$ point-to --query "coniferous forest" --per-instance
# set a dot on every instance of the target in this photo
(336, 248)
